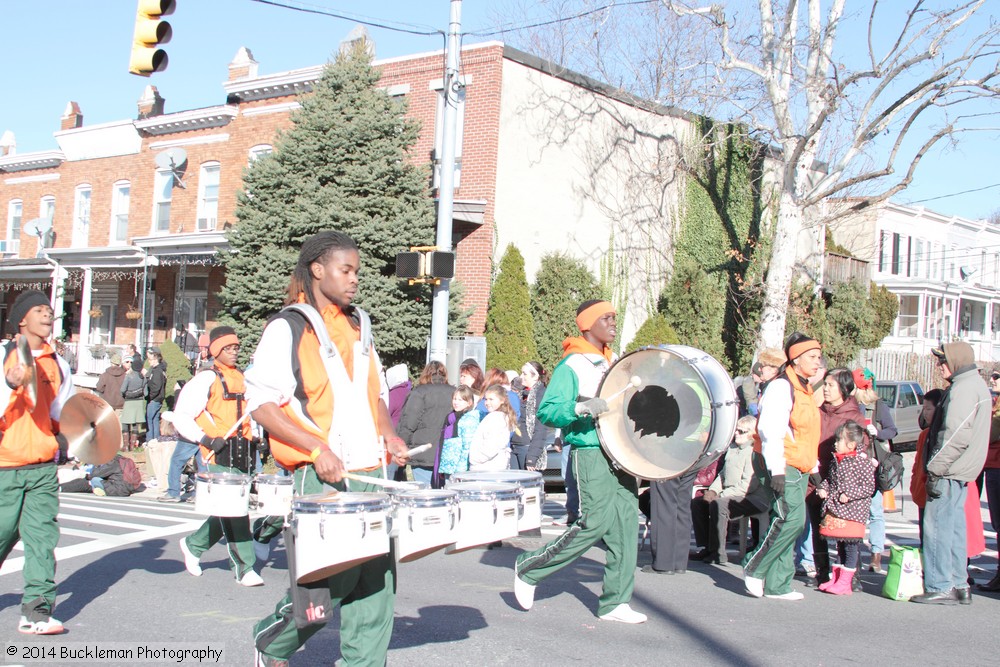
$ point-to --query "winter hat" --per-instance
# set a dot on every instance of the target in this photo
(397, 375)
(221, 337)
(116, 359)
(24, 302)
(864, 378)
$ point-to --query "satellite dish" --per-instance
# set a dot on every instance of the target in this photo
(967, 272)
(174, 160)
(37, 227)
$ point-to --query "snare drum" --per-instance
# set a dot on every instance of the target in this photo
(335, 532)
(393, 493)
(274, 495)
(222, 494)
(680, 418)
(532, 493)
(487, 512)
(423, 522)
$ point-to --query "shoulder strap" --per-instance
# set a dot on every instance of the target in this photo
(316, 322)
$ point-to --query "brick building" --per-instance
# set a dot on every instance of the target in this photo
(132, 213)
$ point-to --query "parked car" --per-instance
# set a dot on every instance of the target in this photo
(903, 399)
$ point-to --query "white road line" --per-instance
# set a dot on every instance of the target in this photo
(102, 522)
(111, 510)
(106, 542)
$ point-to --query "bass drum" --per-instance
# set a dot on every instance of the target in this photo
(681, 417)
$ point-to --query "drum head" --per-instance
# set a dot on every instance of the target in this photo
(681, 416)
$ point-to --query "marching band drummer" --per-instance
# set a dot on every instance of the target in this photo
(608, 497)
(324, 418)
(29, 491)
(211, 404)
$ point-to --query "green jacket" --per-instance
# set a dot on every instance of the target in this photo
(575, 378)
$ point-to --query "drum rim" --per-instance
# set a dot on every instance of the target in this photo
(275, 480)
(427, 498)
(222, 478)
(704, 380)
(524, 478)
(343, 503)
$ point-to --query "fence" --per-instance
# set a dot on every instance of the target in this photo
(901, 365)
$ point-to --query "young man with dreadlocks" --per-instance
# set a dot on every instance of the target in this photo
(609, 506)
(325, 417)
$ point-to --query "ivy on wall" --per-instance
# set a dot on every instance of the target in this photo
(713, 298)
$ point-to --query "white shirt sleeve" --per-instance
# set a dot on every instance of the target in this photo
(191, 403)
(270, 379)
(772, 425)
(66, 390)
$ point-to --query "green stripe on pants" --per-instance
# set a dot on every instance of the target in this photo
(774, 559)
(29, 504)
(609, 510)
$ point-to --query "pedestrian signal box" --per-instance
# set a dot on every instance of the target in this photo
(425, 264)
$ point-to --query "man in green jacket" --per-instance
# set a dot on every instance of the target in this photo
(608, 497)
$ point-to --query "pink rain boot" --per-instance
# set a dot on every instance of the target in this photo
(834, 576)
(843, 584)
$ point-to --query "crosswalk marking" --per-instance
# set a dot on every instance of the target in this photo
(162, 520)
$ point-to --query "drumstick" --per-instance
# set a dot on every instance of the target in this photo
(388, 483)
(634, 382)
(235, 426)
(418, 450)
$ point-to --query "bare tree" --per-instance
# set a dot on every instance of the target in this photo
(853, 102)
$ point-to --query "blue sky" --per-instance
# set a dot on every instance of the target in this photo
(54, 51)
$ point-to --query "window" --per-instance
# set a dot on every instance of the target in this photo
(917, 265)
(906, 322)
(47, 208)
(259, 151)
(119, 212)
(163, 188)
(885, 252)
(439, 134)
(907, 399)
(81, 216)
(15, 211)
(208, 197)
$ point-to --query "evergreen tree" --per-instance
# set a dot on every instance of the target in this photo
(510, 338)
(694, 305)
(343, 165)
(654, 331)
(561, 285)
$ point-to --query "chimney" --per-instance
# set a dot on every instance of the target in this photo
(243, 65)
(72, 117)
(8, 144)
(150, 104)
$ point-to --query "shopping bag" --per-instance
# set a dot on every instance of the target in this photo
(905, 576)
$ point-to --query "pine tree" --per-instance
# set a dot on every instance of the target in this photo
(561, 285)
(510, 339)
(343, 165)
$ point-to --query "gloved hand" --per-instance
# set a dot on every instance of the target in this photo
(594, 407)
(778, 484)
(933, 486)
(815, 479)
(872, 430)
(215, 444)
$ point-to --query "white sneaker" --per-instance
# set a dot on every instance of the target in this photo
(624, 614)
(190, 560)
(49, 626)
(524, 592)
(755, 586)
(251, 578)
(261, 551)
(794, 595)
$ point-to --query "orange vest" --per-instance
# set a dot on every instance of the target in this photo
(29, 437)
(221, 413)
(802, 445)
(311, 407)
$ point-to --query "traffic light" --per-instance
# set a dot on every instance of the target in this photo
(150, 33)
(409, 265)
(425, 264)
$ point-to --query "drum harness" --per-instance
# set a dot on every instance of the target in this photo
(238, 453)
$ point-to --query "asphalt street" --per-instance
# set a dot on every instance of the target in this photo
(127, 586)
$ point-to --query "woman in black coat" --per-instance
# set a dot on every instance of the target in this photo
(422, 420)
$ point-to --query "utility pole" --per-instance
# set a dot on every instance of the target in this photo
(446, 191)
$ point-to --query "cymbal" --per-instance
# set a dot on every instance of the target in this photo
(30, 382)
(91, 427)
